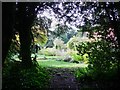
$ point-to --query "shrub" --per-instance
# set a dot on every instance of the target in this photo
(48, 51)
(70, 52)
(77, 57)
(85, 58)
(67, 59)
(71, 44)
(83, 75)
(74, 41)
(62, 53)
(59, 44)
(102, 58)
(15, 76)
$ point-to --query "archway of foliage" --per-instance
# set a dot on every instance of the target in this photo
(93, 16)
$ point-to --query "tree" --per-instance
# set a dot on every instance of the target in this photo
(21, 17)
(108, 17)
(11, 23)
(8, 12)
(25, 16)
(58, 43)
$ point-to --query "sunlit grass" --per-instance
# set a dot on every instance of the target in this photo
(60, 64)
(52, 62)
(42, 56)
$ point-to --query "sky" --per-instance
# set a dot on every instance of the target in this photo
(54, 20)
(78, 17)
(51, 15)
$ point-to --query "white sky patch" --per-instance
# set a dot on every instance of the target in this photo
(54, 22)
(52, 29)
(49, 15)
(69, 14)
(73, 27)
(60, 6)
(82, 23)
(79, 20)
(90, 16)
(38, 15)
(75, 15)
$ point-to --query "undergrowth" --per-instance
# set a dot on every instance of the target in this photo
(17, 77)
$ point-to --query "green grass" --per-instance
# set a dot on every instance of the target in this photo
(59, 64)
(48, 57)
(52, 62)
(42, 56)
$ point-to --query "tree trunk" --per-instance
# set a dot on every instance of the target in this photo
(7, 29)
(25, 51)
(24, 28)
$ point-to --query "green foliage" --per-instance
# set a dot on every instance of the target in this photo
(80, 57)
(52, 52)
(83, 48)
(77, 57)
(42, 39)
(59, 44)
(75, 41)
(48, 51)
(15, 76)
(102, 57)
(9, 57)
(102, 63)
(85, 58)
(39, 35)
(71, 44)
(83, 75)
(13, 50)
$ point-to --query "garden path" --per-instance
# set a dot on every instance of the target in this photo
(63, 79)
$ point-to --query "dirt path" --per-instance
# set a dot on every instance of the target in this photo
(63, 79)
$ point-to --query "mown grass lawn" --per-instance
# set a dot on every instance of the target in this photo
(60, 64)
(53, 57)
(51, 61)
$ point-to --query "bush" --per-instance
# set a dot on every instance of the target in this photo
(48, 51)
(71, 44)
(102, 58)
(83, 75)
(74, 41)
(91, 75)
(53, 52)
(85, 58)
(14, 49)
(59, 44)
(77, 57)
(15, 76)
